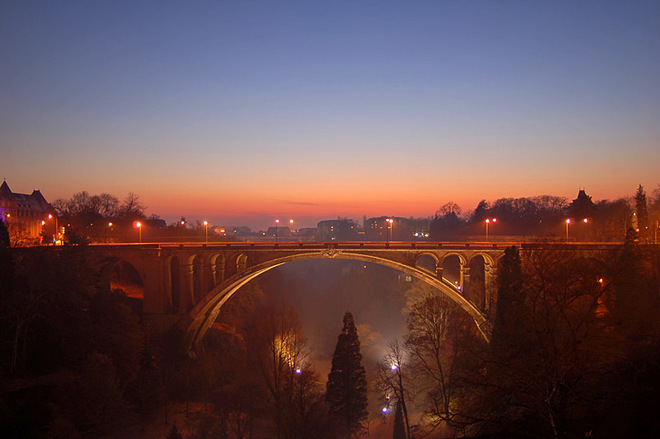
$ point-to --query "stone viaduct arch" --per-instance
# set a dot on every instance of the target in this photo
(206, 311)
(189, 283)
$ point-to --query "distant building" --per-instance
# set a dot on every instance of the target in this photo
(155, 223)
(279, 232)
(337, 230)
(307, 233)
(582, 211)
(399, 229)
(24, 215)
(582, 207)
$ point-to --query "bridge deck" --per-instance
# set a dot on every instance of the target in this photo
(371, 245)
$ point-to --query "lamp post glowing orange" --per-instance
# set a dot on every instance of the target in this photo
(57, 235)
(390, 229)
(568, 221)
(277, 221)
(206, 231)
(488, 221)
(138, 224)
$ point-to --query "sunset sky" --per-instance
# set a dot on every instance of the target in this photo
(244, 111)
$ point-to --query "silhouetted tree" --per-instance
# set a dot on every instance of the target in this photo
(148, 389)
(612, 220)
(550, 349)
(116, 332)
(447, 223)
(278, 347)
(347, 385)
(642, 213)
(391, 381)
(440, 339)
(92, 398)
(4, 235)
(399, 431)
(174, 433)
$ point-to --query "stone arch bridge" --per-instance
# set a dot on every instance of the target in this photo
(192, 281)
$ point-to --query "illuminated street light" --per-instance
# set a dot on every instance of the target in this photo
(56, 234)
(291, 223)
(277, 221)
(390, 229)
(206, 231)
(138, 224)
(568, 221)
(488, 221)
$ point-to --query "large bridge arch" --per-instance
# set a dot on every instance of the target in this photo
(124, 274)
(206, 311)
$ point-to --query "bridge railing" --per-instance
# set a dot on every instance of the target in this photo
(371, 245)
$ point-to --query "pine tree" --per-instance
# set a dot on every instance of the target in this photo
(642, 213)
(347, 385)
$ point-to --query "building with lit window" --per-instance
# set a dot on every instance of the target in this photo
(384, 228)
(25, 215)
(337, 230)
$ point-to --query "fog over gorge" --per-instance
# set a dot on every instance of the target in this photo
(322, 290)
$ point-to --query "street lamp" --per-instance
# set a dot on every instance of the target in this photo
(206, 231)
(55, 235)
(291, 224)
(488, 221)
(568, 221)
(138, 224)
(390, 229)
(276, 223)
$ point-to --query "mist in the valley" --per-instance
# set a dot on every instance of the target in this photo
(323, 290)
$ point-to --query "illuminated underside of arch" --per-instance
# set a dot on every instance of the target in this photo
(206, 312)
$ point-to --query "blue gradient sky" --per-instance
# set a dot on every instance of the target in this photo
(243, 111)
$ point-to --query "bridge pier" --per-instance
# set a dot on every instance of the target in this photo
(465, 279)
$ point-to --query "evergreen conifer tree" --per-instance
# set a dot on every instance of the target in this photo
(347, 385)
(642, 213)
